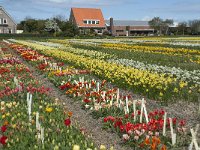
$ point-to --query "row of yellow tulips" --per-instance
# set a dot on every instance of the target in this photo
(152, 84)
(164, 50)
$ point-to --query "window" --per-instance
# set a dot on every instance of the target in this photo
(10, 31)
(91, 21)
(4, 21)
(119, 30)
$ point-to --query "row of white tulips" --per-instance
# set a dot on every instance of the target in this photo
(184, 75)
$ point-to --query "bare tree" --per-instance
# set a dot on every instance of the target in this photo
(156, 23)
(195, 26)
(182, 27)
(167, 23)
(161, 25)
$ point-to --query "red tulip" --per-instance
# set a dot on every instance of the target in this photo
(3, 128)
(86, 100)
(3, 140)
(67, 122)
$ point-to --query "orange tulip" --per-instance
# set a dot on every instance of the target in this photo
(5, 123)
(156, 140)
(70, 114)
(147, 141)
(153, 146)
(164, 147)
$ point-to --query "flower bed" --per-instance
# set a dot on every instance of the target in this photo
(156, 86)
(122, 114)
(184, 75)
(28, 114)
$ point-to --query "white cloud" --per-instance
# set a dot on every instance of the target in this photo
(146, 18)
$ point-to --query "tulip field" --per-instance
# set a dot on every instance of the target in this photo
(139, 90)
(37, 128)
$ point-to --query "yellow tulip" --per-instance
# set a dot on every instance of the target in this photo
(102, 147)
(76, 147)
(49, 109)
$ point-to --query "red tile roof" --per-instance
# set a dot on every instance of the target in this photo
(81, 14)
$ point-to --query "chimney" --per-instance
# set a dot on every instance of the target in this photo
(111, 25)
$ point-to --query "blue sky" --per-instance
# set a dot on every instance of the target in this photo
(179, 10)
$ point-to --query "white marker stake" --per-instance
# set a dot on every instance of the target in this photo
(42, 135)
(27, 98)
(111, 102)
(171, 126)
(75, 82)
(117, 97)
(50, 65)
(120, 103)
(31, 96)
(141, 110)
(16, 81)
(97, 86)
(37, 120)
(125, 111)
(194, 138)
(86, 86)
(104, 95)
(145, 113)
(127, 104)
(134, 109)
(30, 103)
(172, 132)
(174, 139)
(164, 125)
(89, 85)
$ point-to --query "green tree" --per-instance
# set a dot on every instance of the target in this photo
(57, 25)
(70, 29)
(30, 25)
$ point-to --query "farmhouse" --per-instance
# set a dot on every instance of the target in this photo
(128, 27)
(7, 24)
(87, 19)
